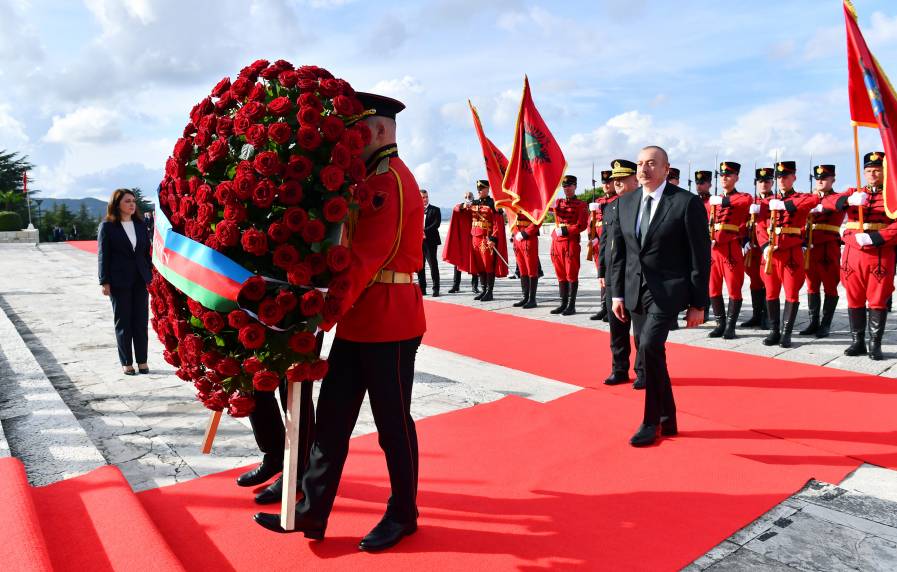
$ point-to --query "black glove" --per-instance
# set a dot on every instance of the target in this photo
(563, 231)
(494, 239)
(525, 236)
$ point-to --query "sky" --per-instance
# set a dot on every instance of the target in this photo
(97, 92)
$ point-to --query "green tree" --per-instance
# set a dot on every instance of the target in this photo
(85, 223)
(13, 167)
(144, 205)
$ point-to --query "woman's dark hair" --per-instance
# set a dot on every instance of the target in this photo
(112, 212)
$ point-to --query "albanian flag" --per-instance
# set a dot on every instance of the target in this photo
(873, 102)
(537, 163)
(496, 162)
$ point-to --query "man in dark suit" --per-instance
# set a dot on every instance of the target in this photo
(660, 265)
(432, 220)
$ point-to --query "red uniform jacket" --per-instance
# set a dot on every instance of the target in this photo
(826, 225)
(797, 207)
(457, 248)
(729, 217)
(596, 223)
(525, 226)
(873, 213)
(572, 215)
(386, 236)
(761, 224)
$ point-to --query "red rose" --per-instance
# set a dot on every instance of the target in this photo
(170, 343)
(172, 358)
(203, 138)
(280, 133)
(203, 385)
(341, 156)
(285, 256)
(253, 110)
(226, 102)
(206, 213)
(289, 193)
(209, 122)
(252, 365)
(332, 307)
(364, 131)
(211, 359)
(308, 138)
(299, 274)
(258, 65)
(218, 150)
(270, 312)
(318, 369)
(312, 231)
(303, 342)
(213, 322)
(216, 401)
(286, 300)
(288, 78)
(332, 177)
(254, 241)
(353, 139)
(240, 405)
(309, 116)
(258, 94)
(238, 318)
(309, 99)
(298, 167)
(227, 233)
(203, 162)
(280, 106)
(332, 128)
(235, 213)
(181, 329)
(252, 336)
(311, 303)
(265, 380)
(191, 346)
(267, 163)
(225, 127)
(329, 87)
(221, 87)
(257, 136)
(183, 150)
(241, 87)
(316, 262)
(173, 168)
(263, 194)
(335, 209)
(242, 124)
(189, 129)
(204, 193)
(253, 289)
(343, 105)
(298, 372)
(224, 193)
(200, 110)
(357, 170)
(338, 258)
(295, 218)
(195, 308)
(244, 183)
(278, 232)
(213, 243)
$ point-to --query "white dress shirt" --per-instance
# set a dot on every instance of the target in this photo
(129, 230)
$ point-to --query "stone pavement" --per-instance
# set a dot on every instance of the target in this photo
(66, 408)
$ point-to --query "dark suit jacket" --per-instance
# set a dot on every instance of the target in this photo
(432, 220)
(608, 217)
(675, 258)
(119, 264)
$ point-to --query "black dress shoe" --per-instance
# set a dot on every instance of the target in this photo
(311, 528)
(668, 426)
(639, 383)
(143, 370)
(387, 533)
(272, 493)
(258, 475)
(645, 436)
(616, 378)
(436, 293)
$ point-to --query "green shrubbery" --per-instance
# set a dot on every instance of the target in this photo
(10, 221)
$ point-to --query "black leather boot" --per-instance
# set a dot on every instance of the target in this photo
(488, 284)
(775, 335)
(764, 318)
(533, 287)
(877, 320)
(857, 317)
(719, 314)
(732, 319)
(758, 304)
(601, 314)
(456, 282)
(474, 284)
(563, 288)
(789, 314)
(828, 312)
(814, 302)
(524, 287)
(485, 282)
(570, 309)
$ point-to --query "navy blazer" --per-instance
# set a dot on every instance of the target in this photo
(119, 264)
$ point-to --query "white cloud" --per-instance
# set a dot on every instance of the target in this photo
(825, 43)
(883, 29)
(84, 125)
(12, 131)
(398, 87)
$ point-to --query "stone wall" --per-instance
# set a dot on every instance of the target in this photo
(20, 236)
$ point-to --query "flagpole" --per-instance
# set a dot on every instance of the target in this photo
(856, 152)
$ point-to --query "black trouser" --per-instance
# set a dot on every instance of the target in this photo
(429, 258)
(130, 307)
(385, 370)
(620, 347)
(652, 326)
(267, 425)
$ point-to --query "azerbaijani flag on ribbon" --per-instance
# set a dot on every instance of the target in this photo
(537, 164)
(873, 102)
(200, 272)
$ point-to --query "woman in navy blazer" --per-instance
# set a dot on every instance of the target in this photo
(123, 249)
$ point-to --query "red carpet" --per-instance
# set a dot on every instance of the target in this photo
(85, 245)
(847, 413)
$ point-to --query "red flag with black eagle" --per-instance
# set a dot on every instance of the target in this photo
(537, 164)
(873, 102)
(496, 162)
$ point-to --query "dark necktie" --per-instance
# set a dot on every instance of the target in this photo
(646, 220)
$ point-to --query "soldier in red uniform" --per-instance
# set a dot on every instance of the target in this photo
(525, 234)
(728, 214)
(703, 180)
(673, 176)
(596, 224)
(867, 262)
(784, 245)
(571, 217)
(484, 229)
(763, 178)
(823, 255)
(375, 345)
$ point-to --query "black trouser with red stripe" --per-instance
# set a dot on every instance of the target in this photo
(385, 370)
